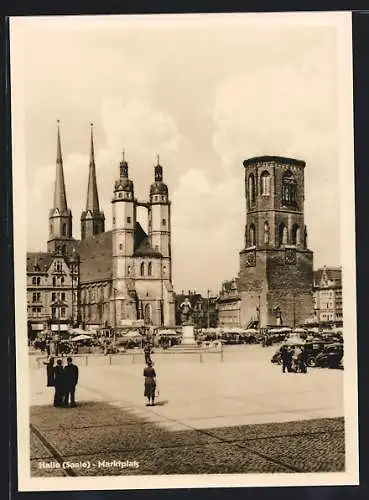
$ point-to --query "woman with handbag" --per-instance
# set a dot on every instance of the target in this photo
(150, 383)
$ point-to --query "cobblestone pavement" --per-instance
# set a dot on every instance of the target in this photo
(239, 416)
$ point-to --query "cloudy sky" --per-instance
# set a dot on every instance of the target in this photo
(204, 92)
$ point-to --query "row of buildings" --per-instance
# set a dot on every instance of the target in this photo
(113, 278)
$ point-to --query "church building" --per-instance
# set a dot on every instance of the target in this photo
(276, 267)
(107, 278)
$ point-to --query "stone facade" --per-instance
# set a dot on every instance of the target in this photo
(276, 266)
(229, 304)
(328, 295)
(119, 275)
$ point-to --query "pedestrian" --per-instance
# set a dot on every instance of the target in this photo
(147, 352)
(150, 384)
(59, 383)
(302, 361)
(71, 380)
(50, 382)
(296, 358)
(286, 359)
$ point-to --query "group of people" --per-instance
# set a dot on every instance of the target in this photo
(64, 380)
(294, 360)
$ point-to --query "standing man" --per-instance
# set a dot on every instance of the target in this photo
(147, 352)
(59, 383)
(71, 380)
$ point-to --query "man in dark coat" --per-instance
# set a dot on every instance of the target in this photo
(147, 352)
(71, 380)
(286, 359)
(59, 383)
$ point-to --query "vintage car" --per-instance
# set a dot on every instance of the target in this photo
(331, 356)
(311, 349)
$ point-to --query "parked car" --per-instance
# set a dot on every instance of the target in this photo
(331, 356)
(312, 350)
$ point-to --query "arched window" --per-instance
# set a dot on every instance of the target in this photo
(252, 235)
(64, 229)
(129, 270)
(266, 233)
(296, 235)
(38, 281)
(142, 269)
(265, 183)
(164, 271)
(289, 189)
(54, 281)
(282, 235)
(149, 269)
(251, 189)
(33, 281)
(148, 314)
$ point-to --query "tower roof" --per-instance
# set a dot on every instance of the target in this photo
(124, 183)
(158, 186)
(92, 203)
(274, 159)
(60, 198)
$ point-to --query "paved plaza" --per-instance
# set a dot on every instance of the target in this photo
(238, 414)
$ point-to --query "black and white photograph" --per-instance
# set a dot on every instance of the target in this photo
(184, 248)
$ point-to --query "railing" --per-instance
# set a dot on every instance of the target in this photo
(138, 358)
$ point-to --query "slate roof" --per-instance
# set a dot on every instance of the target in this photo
(142, 245)
(334, 274)
(39, 262)
(96, 258)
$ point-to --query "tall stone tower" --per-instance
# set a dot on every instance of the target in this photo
(123, 234)
(60, 216)
(92, 220)
(159, 224)
(276, 266)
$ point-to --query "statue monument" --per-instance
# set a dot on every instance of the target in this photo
(188, 337)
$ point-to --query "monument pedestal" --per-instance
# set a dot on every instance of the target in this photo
(188, 337)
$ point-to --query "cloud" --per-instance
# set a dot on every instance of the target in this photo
(136, 126)
(207, 229)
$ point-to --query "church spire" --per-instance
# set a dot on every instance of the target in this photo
(60, 198)
(92, 202)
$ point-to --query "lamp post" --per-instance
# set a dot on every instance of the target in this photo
(259, 315)
(115, 291)
(294, 311)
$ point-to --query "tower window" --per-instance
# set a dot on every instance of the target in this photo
(282, 236)
(289, 189)
(120, 246)
(113, 220)
(129, 270)
(63, 296)
(164, 271)
(251, 189)
(62, 281)
(120, 195)
(129, 220)
(252, 235)
(33, 281)
(63, 312)
(164, 222)
(149, 269)
(54, 281)
(266, 233)
(64, 229)
(142, 269)
(38, 281)
(265, 183)
(296, 235)
(53, 297)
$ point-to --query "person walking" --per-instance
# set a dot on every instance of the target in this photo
(59, 383)
(71, 380)
(147, 352)
(150, 383)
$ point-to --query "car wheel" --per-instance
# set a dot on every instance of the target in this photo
(311, 362)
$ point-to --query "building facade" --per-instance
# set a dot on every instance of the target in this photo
(276, 266)
(327, 297)
(107, 278)
(229, 304)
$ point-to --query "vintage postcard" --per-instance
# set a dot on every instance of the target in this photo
(184, 228)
